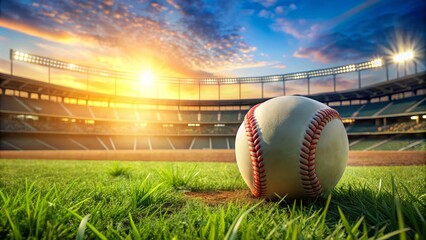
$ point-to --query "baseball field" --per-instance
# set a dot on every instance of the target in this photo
(68, 199)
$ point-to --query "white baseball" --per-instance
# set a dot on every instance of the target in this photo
(291, 146)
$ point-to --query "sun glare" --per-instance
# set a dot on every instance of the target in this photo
(146, 77)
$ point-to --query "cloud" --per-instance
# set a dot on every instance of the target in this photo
(368, 35)
(293, 28)
(266, 3)
(180, 38)
(280, 66)
(266, 14)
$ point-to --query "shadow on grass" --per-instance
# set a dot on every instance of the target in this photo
(379, 212)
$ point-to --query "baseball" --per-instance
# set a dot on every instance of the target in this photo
(291, 147)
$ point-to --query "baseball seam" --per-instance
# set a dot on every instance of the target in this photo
(310, 181)
(253, 138)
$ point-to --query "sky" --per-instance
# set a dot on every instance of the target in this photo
(211, 38)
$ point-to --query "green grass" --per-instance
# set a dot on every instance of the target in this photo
(42, 199)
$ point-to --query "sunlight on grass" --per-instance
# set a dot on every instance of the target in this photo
(44, 199)
(118, 170)
(179, 179)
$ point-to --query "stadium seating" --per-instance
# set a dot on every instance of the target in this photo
(420, 107)
(362, 126)
(209, 117)
(219, 143)
(370, 109)
(104, 113)
(418, 147)
(80, 111)
(123, 142)
(81, 127)
(160, 143)
(45, 107)
(201, 143)
(169, 116)
(347, 111)
(142, 143)
(87, 142)
(145, 115)
(181, 142)
(368, 142)
(127, 114)
(13, 104)
(20, 142)
(229, 116)
(401, 105)
(190, 116)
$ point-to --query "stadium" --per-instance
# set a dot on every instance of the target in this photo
(389, 115)
(171, 119)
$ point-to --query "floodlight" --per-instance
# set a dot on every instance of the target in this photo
(414, 117)
(377, 62)
(401, 57)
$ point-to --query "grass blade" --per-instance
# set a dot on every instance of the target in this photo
(346, 224)
(94, 230)
(232, 232)
(14, 228)
(136, 233)
(82, 227)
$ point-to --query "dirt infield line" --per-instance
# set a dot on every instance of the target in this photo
(356, 158)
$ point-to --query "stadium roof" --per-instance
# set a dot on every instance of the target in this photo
(403, 84)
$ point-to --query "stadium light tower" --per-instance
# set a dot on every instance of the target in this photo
(403, 58)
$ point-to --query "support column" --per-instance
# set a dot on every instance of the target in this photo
(334, 83)
(309, 86)
(11, 62)
(359, 79)
(283, 86)
(387, 70)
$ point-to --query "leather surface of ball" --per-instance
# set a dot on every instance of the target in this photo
(291, 146)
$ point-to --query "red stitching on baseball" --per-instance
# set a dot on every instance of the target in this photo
(253, 138)
(310, 181)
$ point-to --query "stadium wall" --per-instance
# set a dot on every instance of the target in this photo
(356, 158)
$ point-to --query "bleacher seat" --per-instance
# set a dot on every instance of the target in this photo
(367, 142)
(201, 143)
(396, 143)
(160, 143)
(189, 116)
(146, 115)
(219, 143)
(209, 117)
(106, 141)
(124, 142)
(142, 143)
(104, 112)
(26, 142)
(65, 143)
(126, 114)
(400, 106)
(81, 111)
(229, 116)
(181, 142)
(45, 107)
(90, 142)
(371, 108)
(361, 126)
(169, 116)
(11, 104)
(347, 111)
(420, 107)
